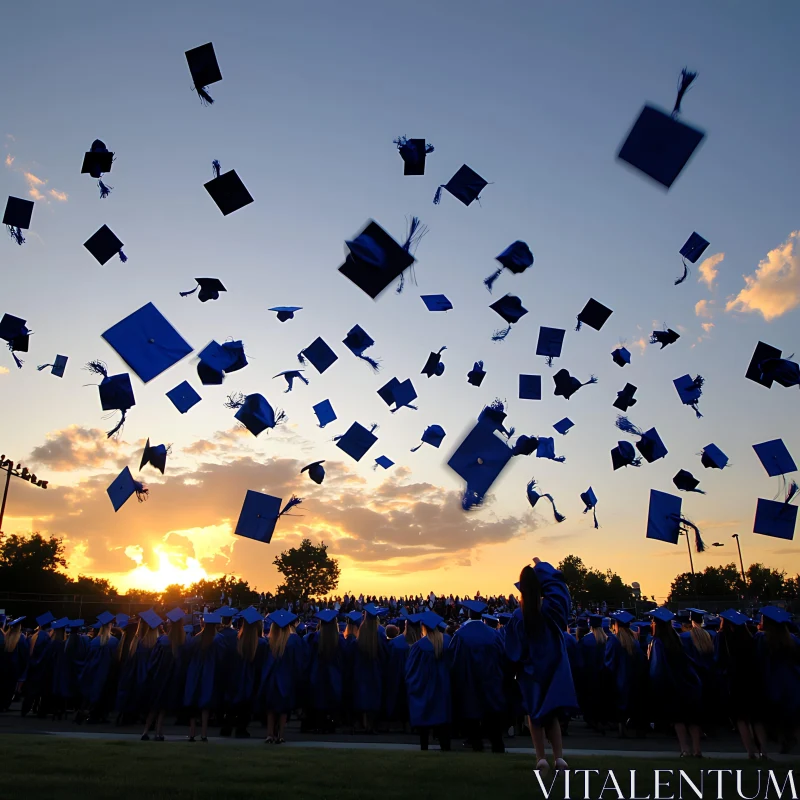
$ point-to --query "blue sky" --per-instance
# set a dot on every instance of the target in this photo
(534, 97)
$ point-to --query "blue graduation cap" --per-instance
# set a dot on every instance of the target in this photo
(383, 461)
(75, 624)
(147, 343)
(324, 412)
(434, 364)
(356, 441)
(476, 375)
(282, 618)
(479, 460)
(354, 616)
(713, 458)
(734, 616)
(624, 455)
(254, 412)
(227, 612)
(227, 190)
(775, 614)
(121, 620)
(104, 245)
(525, 445)
(662, 614)
(184, 397)
(621, 356)
(319, 354)
(151, 618)
(209, 289)
(116, 393)
(649, 445)
(176, 615)
(623, 617)
(663, 517)
(204, 69)
(589, 500)
(516, 258)
(372, 610)
(44, 619)
(546, 448)
(775, 457)
(550, 342)
(357, 342)
(775, 518)
(156, 455)
(105, 618)
(327, 615)
(686, 482)
(465, 186)
(17, 217)
(660, 145)
(432, 435)
(212, 618)
(566, 385)
(430, 620)
(594, 314)
(413, 152)
(436, 302)
(689, 390)
(694, 247)
(57, 367)
(402, 394)
(563, 426)
(530, 387)
(259, 515)
(251, 615)
(476, 606)
(290, 375)
(285, 313)
(124, 487)
(315, 471)
(664, 337)
(14, 331)
(755, 371)
(510, 308)
(534, 496)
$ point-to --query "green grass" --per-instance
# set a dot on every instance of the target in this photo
(69, 769)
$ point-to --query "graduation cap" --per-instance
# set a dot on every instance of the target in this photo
(97, 161)
(589, 500)
(357, 440)
(183, 397)
(494, 416)
(259, 515)
(121, 620)
(689, 390)
(383, 461)
(254, 412)
(775, 457)
(212, 618)
(665, 521)
(775, 614)
(432, 435)
(563, 426)
(550, 343)
(375, 259)
(176, 615)
(733, 616)
(546, 448)
(624, 455)
(525, 445)
(479, 460)
(566, 385)
(516, 258)
(57, 367)
(621, 356)
(209, 289)
(357, 341)
(695, 247)
(285, 313)
(324, 413)
(413, 152)
(713, 458)
(227, 190)
(14, 331)
(75, 624)
(354, 616)
(658, 144)
(45, 619)
(315, 471)
(289, 376)
(401, 394)
(105, 618)
(156, 456)
(436, 302)
(151, 619)
(216, 360)
(124, 487)
(251, 616)
(104, 245)
(204, 69)
(476, 606)
(465, 186)
(319, 354)
(664, 338)
(594, 315)
(781, 370)
(661, 614)
(763, 352)
(686, 482)
(282, 618)
(625, 397)
(476, 375)
(622, 617)
(434, 365)
(534, 496)
(116, 393)
(511, 310)
(649, 445)
(17, 217)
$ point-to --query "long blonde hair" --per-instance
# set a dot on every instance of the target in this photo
(625, 638)
(177, 637)
(328, 640)
(12, 638)
(351, 631)
(59, 634)
(411, 632)
(247, 642)
(104, 634)
(703, 642)
(600, 636)
(277, 639)
(367, 637)
(437, 639)
(207, 635)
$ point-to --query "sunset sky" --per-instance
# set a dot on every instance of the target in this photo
(536, 98)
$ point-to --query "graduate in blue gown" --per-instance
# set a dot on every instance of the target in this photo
(39, 676)
(395, 698)
(575, 666)
(675, 688)
(245, 669)
(201, 693)
(133, 694)
(123, 676)
(535, 643)
(627, 665)
(368, 656)
(230, 636)
(699, 646)
(283, 669)
(13, 661)
(428, 683)
(349, 637)
(477, 657)
(96, 677)
(325, 673)
(68, 663)
(595, 682)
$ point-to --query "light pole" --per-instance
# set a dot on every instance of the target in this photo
(18, 472)
(691, 562)
(738, 546)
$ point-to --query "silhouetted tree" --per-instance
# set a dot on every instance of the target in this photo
(308, 571)
(591, 586)
(32, 564)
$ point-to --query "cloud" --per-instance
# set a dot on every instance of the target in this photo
(642, 343)
(9, 159)
(774, 288)
(707, 326)
(3, 370)
(702, 308)
(33, 180)
(708, 269)
(60, 196)
(75, 448)
(35, 183)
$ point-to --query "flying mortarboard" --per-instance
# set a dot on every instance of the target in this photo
(516, 258)
(17, 217)
(624, 455)
(783, 371)
(401, 394)
(665, 521)
(183, 397)
(762, 353)
(282, 618)
(476, 375)
(775, 457)
(259, 515)
(511, 310)
(357, 341)
(551, 340)
(494, 416)
(594, 315)
(155, 455)
(227, 190)
(209, 289)
(659, 145)
(563, 426)
(97, 161)
(432, 435)
(356, 441)
(566, 385)
(315, 471)
(530, 387)
(204, 69)
(14, 331)
(686, 482)
(689, 390)
(324, 413)
(589, 500)
(383, 461)
(319, 354)
(534, 496)
(434, 365)
(104, 245)
(413, 152)
(123, 488)
(546, 448)
(695, 247)
(776, 518)
(713, 458)
(525, 445)
(436, 302)
(621, 356)
(649, 445)
(625, 397)
(57, 367)
(285, 313)
(466, 185)
(664, 338)
(254, 412)
(116, 393)
(176, 615)
(290, 375)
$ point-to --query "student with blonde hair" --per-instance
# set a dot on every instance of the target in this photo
(14, 654)
(368, 657)
(245, 668)
(96, 678)
(203, 670)
(283, 668)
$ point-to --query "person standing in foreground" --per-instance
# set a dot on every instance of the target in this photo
(283, 669)
(535, 643)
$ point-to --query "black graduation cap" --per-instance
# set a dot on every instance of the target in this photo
(534, 496)
(285, 313)
(116, 393)
(401, 394)
(775, 518)
(689, 390)
(97, 161)
(255, 412)
(763, 352)
(434, 365)
(14, 331)
(686, 482)
(17, 217)
(526, 445)
(530, 387)
(319, 354)
(357, 440)
(594, 315)
(551, 340)
(465, 186)
(358, 341)
(290, 375)
(649, 445)
(695, 247)
(621, 356)
(155, 455)
(375, 259)
(209, 289)
(228, 191)
(589, 500)
(713, 458)
(783, 371)
(494, 416)
(624, 455)
(658, 144)
(625, 397)
(516, 258)
(204, 68)
(104, 245)
(315, 471)
(57, 367)
(566, 385)
(510, 308)
(664, 338)
(476, 375)
(413, 152)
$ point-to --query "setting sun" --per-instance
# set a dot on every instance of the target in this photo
(172, 568)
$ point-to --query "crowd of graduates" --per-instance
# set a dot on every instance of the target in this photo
(475, 675)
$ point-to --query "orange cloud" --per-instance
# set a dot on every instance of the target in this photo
(9, 159)
(774, 288)
(708, 269)
(3, 370)
(75, 448)
(707, 326)
(702, 308)
(60, 196)
(33, 180)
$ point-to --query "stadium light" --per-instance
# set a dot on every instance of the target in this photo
(21, 472)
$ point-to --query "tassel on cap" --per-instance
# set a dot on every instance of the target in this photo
(557, 516)
(580, 324)
(98, 368)
(217, 167)
(686, 80)
(699, 544)
(105, 191)
(685, 273)
(205, 97)
(301, 358)
(16, 234)
(117, 429)
(489, 282)
(500, 335)
(235, 401)
(186, 294)
(295, 501)
(17, 360)
(625, 425)
(141, 491)
(437, 198)
(122, 257)
(44, 366)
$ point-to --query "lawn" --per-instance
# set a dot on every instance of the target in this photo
(68, 769)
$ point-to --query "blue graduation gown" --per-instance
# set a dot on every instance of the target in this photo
(594, 681)
(543, 672)
(477, 672)
(69, 662)
(202, 688)
(12, 668)
(281, 676)
(367, 678)
(778, 684)
(324, 678)
(428, 685)
(244, 677)
(39, 677)
(132, 689)
(735, 675)
(675, 688)
(166, 676)
(705, 668)
(628, 672)
(395, 702)
(97, 669)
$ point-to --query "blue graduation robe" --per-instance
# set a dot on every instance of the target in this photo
(166, 676)
(202, 688)
(97, 669)
(367, 678)
(68, 665)
(675, 688)
(738, 700)
(778, 684)
(324, 678)
(628, 672)
(132, 689)
(12, 667)
(477, 673)
(705, 668)
(594, 681)
(428, 685)
(543, 672)
(244, 677)
(395, 701)
(39, 677)
(280, 677)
